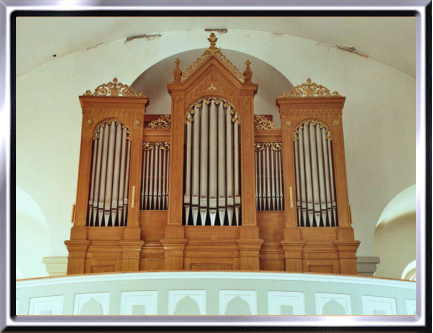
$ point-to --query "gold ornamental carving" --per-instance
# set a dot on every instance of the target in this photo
(212, 87)
(197, 104)
(335, 123)
(163, 122)
(114, 88)
(153, 145)
(102, 124)
(259, 146)
(313, 122)
(216, 52)
(310, 89)
(89, 122)
(137, 123)
(261, 123)
(288, 123)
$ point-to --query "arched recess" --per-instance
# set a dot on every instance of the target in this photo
(153, 81)
(32, 236)
(402, 207)
(409, 273)
(395, 235)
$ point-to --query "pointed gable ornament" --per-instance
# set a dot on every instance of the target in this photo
(214, 51)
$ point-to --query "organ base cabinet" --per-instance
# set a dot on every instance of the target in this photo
(211, 186)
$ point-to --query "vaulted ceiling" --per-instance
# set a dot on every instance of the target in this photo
(389, 40)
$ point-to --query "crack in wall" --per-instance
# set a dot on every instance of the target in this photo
(148, 37)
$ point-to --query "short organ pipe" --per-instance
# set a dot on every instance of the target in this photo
(154, 188)
(269, 176)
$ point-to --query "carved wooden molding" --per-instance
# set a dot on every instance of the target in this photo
(191, 111)
(310, 89)
(259, 146)
(112, 112)
(163, 122)
(114, 88)
(311, 112)
(102, 124)
(314, 122)
(153, 145)
(216, 52)
(261, 123)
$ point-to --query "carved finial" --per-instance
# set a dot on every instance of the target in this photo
(248, 73)
(310, 89)
(114, 88)
(177, 72)
(212, 40)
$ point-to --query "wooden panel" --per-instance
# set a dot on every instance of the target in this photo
(151, 264)
(156, 135)
(271, 229)
(271, 225)
(210, 267)
(105, 266)
(211, 233)
(324, 234)
(321, 266)
(268, 136)
(214, 264)
(152, 225)
(105, 233)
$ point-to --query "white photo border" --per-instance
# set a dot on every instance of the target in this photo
(423, 189)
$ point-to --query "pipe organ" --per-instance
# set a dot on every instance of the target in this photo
(212, 186)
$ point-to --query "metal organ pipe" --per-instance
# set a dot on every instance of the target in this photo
(154, 187)
(315, 189)
(110, 175)
(269, 176)
(212, 164)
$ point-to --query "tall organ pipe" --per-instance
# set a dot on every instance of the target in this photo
(110, 175)
(315, 189)
(212, 164)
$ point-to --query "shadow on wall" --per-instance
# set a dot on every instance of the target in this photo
(32, 238)
(395, 235)
(238, 307)
(153, 82)
(187, 307)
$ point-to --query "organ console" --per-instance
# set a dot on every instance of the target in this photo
(212, 186)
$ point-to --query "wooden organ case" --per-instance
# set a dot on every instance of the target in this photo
(212, 186)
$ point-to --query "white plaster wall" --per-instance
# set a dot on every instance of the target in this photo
(379, 116)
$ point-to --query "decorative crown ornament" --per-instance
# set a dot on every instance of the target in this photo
(114, 88)
(163, 122)
(310, 89)
(261, 123)
(212, 40)
(213, 50)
